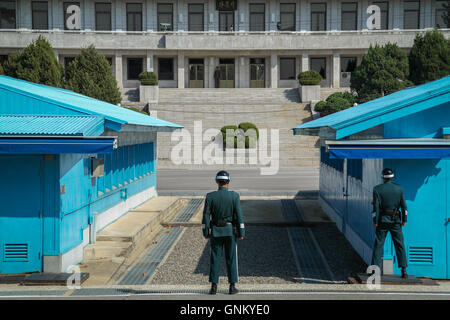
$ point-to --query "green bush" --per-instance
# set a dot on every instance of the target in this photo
(1, 69)
(338, 101)
(337, 104)
(91, 74)
(245, 126)
(223, 130)
(309, 78)
(36, 63)
(148, 78)
(320, 106)
(345, 95)
(137, 110)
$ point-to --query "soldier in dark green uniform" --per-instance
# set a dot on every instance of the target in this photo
(222, 223)
(388, 198)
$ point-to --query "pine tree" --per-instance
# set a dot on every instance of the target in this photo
(383, 70)
(90, 74)
(36, 63)
(429, 58)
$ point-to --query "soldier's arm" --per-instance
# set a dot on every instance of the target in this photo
(206, 220)
(376, 206)
(239, 216)
(404, 208)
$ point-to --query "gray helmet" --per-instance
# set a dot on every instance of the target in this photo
(387, 173)
(223, 175)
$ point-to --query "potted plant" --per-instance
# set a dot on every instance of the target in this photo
(148, 90)
(309, 88)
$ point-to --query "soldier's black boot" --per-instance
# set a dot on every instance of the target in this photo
(404, 274)
(213, 288)
(233, 289)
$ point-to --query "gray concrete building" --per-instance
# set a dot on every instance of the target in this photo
(255, 43)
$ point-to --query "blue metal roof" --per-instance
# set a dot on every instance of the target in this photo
(86, 105)
(51, 125)
(381, 110)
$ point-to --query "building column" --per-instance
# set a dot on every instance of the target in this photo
(118, 69)
(212, 67)
(305, 62)
(274, 70)
(336, 70)
(149, 62)
(181, 70)
(243, 71)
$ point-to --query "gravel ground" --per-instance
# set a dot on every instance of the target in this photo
(341, 257)
(264, 256)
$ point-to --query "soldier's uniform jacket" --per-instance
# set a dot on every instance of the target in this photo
(222, 205)
(388, 196)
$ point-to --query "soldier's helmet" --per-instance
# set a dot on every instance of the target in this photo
(387, 173)
(222, 176)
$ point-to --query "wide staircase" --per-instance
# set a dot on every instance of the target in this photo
(267, 108)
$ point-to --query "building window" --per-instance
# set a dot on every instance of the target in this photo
(165, 17)
(348, 64)
(165, 69)
(411, 15)
(134, 16)
(7, 14)
(39, 15)
(287, 68)
(103, 16)
(287, 16)
(257, 17)
(441, 11)
(135, 67)
(349, 16)
(384, 10)
(318, 16)
(195, 17)
(66, 15)
(109, 59)
(319, 65)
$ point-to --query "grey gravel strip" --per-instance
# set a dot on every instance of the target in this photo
(189, 210)
(143, 269)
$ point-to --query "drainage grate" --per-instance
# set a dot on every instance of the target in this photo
(189, 210)
(142, 270)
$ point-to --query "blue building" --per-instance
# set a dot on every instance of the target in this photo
(70, 165)
(408, 131)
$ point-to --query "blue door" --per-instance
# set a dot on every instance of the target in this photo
(20, 214)
(425, 186)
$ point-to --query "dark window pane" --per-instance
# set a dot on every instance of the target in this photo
(134, 17)
(411, 15)
(67, 61)
(287, 16)
(66, 15)
(7, 14)
(384, 7)
(135, 67)
(319, 65)
(440, 15)
(165, 17)
(287, 68)
(39, 15)
(109, 60)
(257, 20)
(226, 21)
(195, 17)
(318, 16)
(103, 16)
(349, 16)
(165, 68)
(348, 64)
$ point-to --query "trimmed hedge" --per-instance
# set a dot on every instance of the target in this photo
(137, 110)
(148, 78)
(241, 129)
(338, 101)
(309, 78)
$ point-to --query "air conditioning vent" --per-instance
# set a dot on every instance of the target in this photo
(420, 255)
(15, 252)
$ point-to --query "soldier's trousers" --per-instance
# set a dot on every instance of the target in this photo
(218, 245)
(397, 237)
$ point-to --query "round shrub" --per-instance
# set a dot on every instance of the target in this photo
(320, 106)
(148, 78)
(344, 95)
(309, 78)
(337, 104)
(245, 126)
(223, 130)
